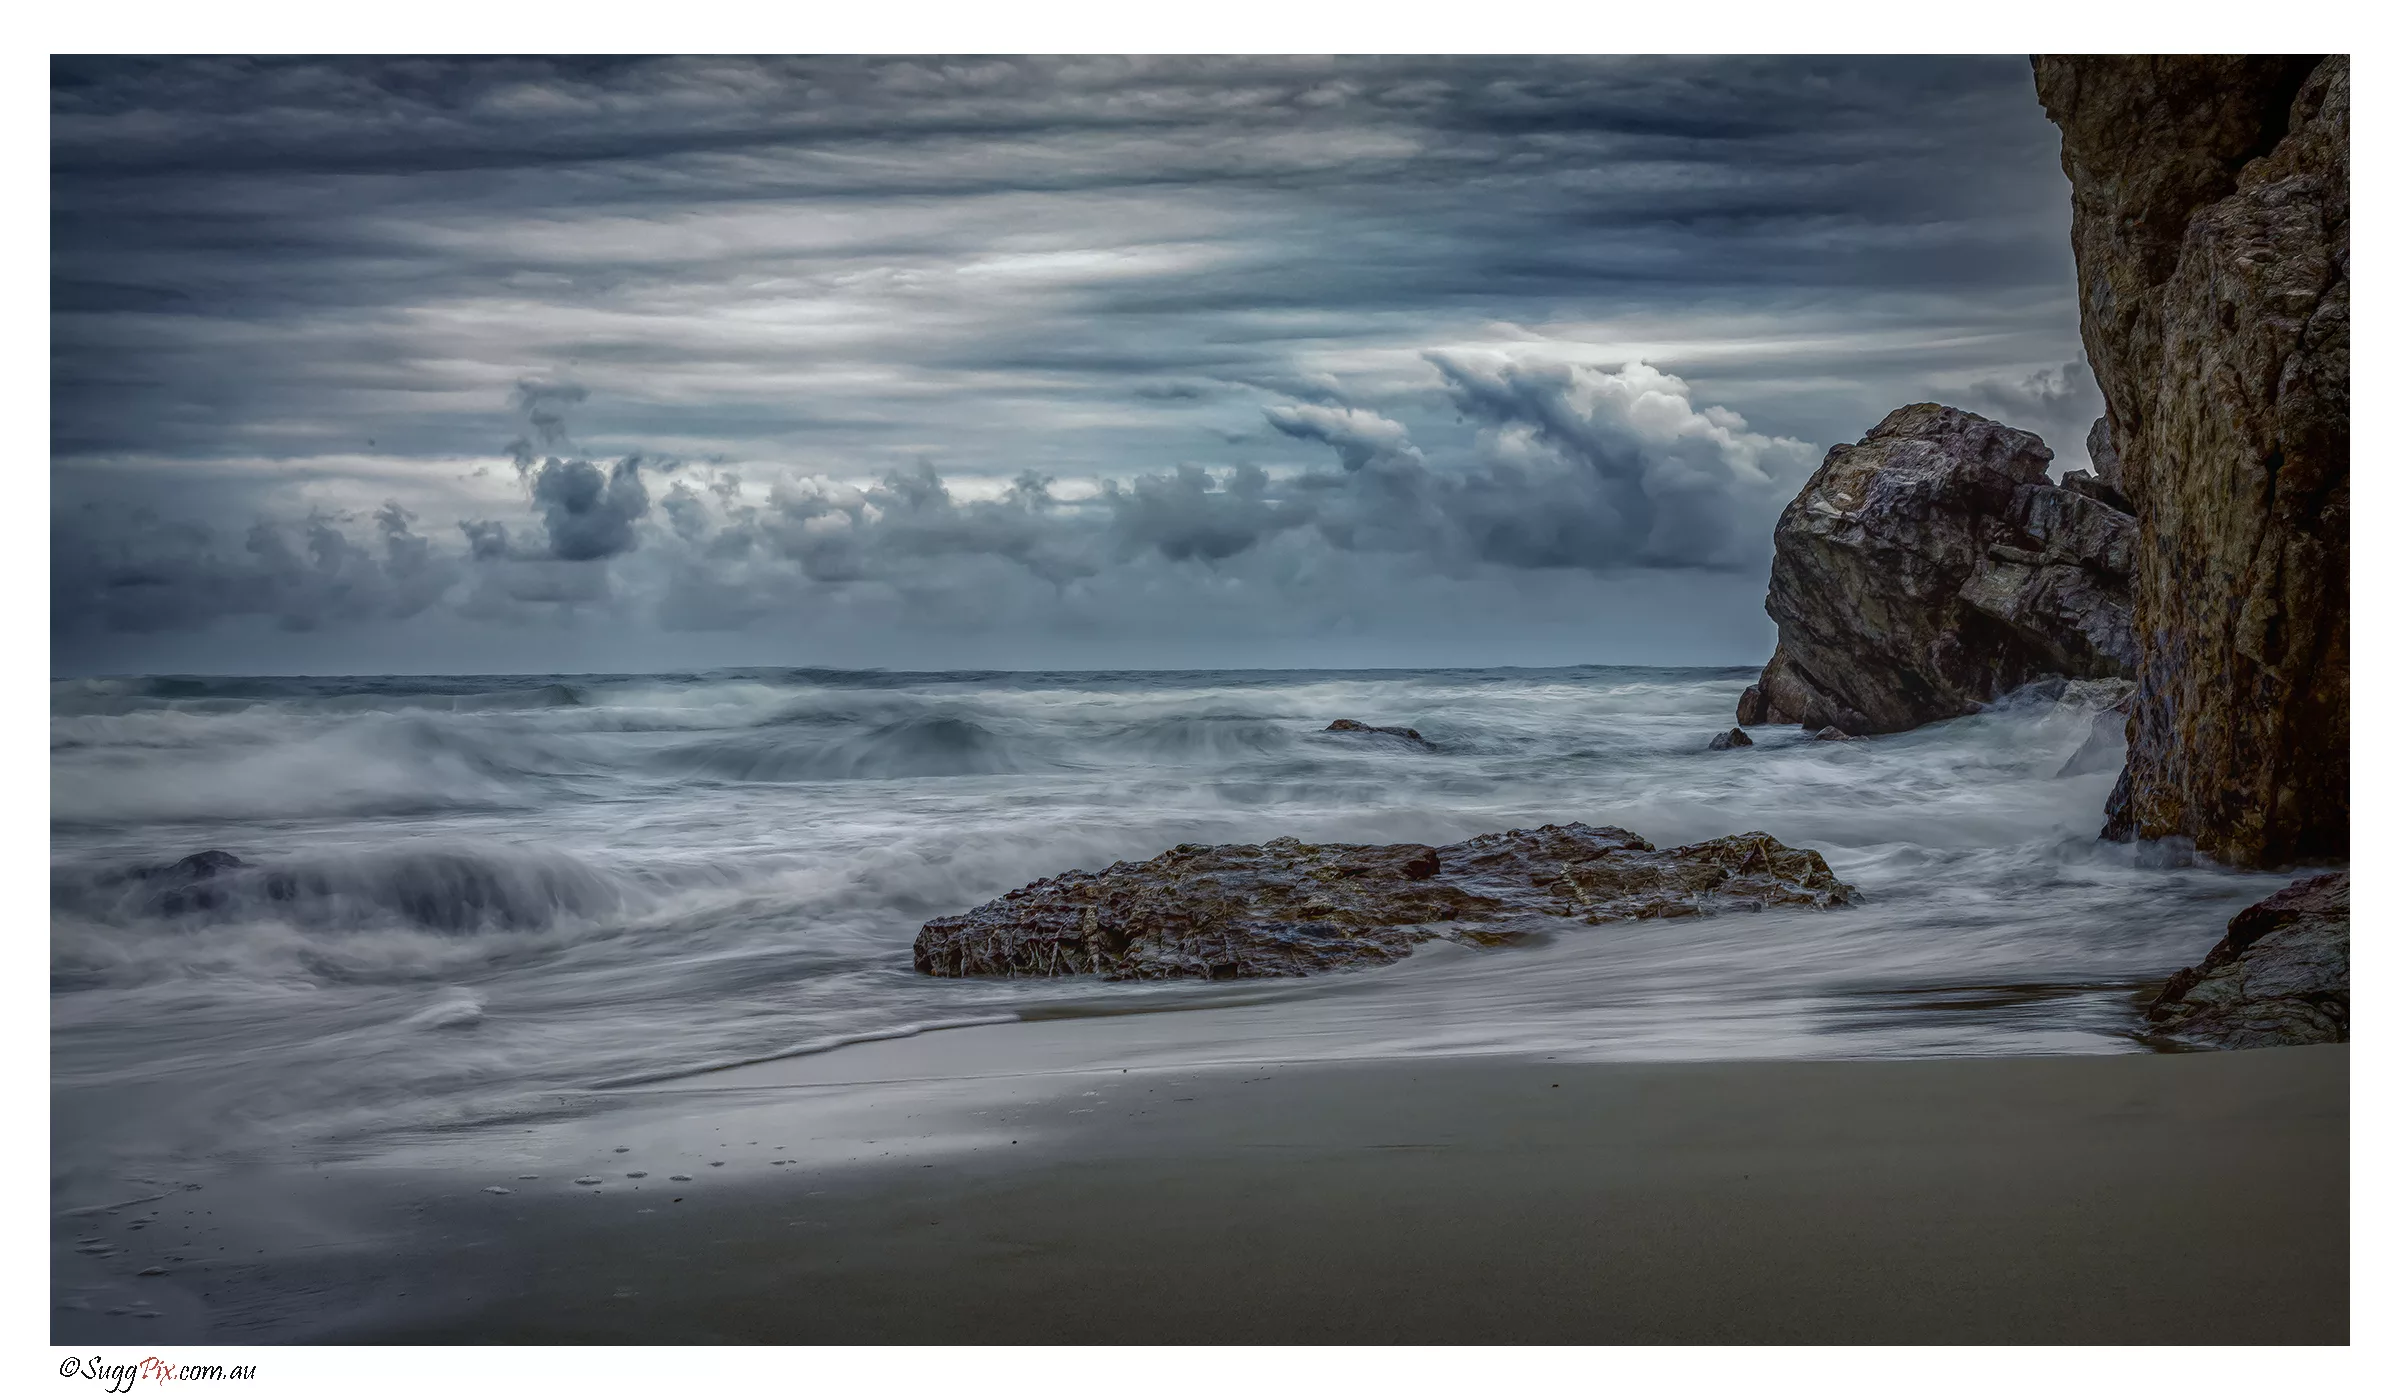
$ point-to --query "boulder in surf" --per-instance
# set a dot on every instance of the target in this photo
(1287, 908)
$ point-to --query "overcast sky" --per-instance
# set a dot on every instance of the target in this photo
(529, 364)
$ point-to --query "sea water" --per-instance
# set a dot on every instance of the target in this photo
(493, 894)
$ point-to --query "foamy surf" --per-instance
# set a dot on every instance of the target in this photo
(465, 901)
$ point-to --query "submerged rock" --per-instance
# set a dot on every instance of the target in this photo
(1933, 566)
(197, 883)
(201, 865)
(2212, 258)
(2280, 976)
(1829, 733)
(1732, 738)
(1351, 726)
(1288, 908)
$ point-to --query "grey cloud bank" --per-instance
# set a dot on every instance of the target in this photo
(628, 364)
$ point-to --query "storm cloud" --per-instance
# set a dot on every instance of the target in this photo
(589, 513)
(620, 362)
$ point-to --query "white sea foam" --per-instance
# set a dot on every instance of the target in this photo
(472, 899)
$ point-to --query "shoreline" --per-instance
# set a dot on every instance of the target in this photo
(866, 1197)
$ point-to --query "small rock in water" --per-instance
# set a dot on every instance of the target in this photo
(635, 1176)
(716, 1164)
(497, 1191)
(1829, 732)
(587, 1181)
(1732, 738)
(1396, 731)
(624, 1149)
(678, 1177)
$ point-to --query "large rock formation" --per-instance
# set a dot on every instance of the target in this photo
(2212, 250)
(1289, 908)
(2280, 976)
(1933, 566)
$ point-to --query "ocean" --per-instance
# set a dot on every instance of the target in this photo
(479, 900)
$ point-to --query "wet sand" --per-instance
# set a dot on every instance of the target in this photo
(2138, 1198)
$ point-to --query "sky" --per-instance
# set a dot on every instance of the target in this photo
(536, 365)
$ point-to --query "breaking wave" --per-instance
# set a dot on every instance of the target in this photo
(933, 746)
(295, 910)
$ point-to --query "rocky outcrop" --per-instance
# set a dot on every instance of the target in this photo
(1288, 908)
(1390, 731)
(2212, 251)
(1931, 567)
(1732, 738)
(2280, 976)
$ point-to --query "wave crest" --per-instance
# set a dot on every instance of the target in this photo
(451, 890)
(931, 746)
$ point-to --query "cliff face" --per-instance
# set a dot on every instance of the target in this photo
(1933, 565)
(2212, 248)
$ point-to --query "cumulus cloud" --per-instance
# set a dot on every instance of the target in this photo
(1190, 513)
(1596, 469)
(1569, 467)
(140, 573)
(544, 404)
(1574, 467)
(1362, 438)
(588, 513)
(1157, 321)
